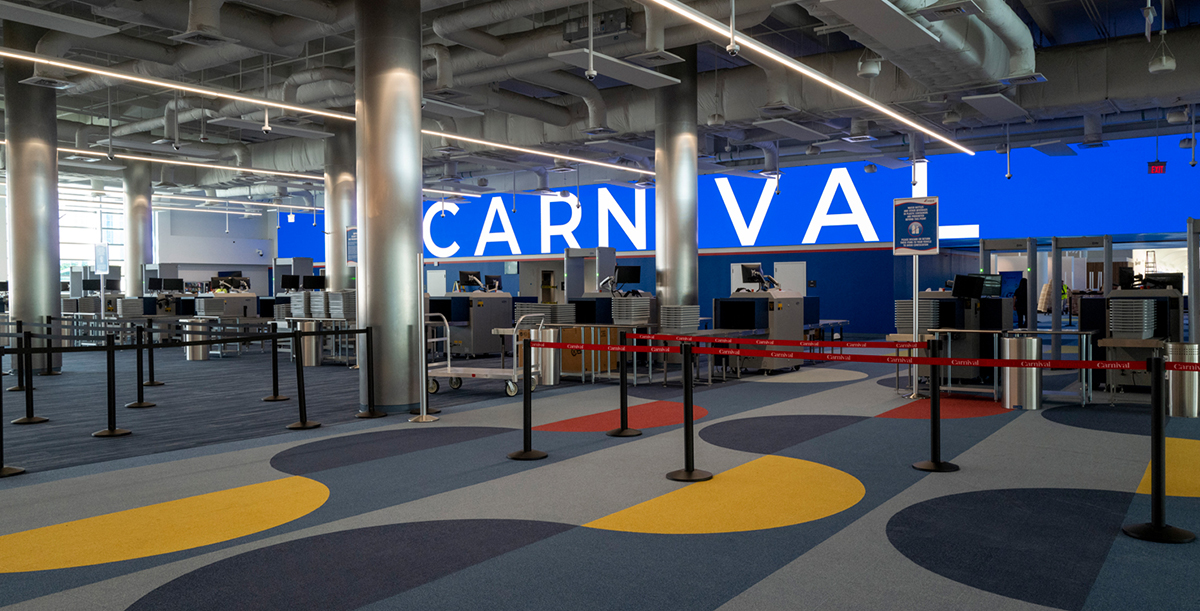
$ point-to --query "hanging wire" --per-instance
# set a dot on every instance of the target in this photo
(203, 116)
(1007, 154)
(514, 191)
(578, 199)
(110, 125)
(591, 69)
(266, 113)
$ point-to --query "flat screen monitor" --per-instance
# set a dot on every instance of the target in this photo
(172, 284)
(751, 273)
(66, 286)
(629, 274)
(1125, 277)
(1163, 280)
(492, 283)
(968, 287)
(154, 284)
(112, 284)
(229, 282)
(466, 279)
(991, 284)
(91, 285)
(289, 282)
(314, 282)
(4, 287)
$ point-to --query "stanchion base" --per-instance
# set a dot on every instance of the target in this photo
(111, 433)
(17, 389)
(429, 410)
(619, 432)
(695, 475)
(10, 471)
(31, 420)
(916, 395)
(530, 455)
(1159, 534)
(153, 383)
(370, 414)
(137, 404)
(275, 398)
(49, 373)
(425, 418)
(935, 467)
(303, 426)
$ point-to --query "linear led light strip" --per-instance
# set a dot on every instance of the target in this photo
(236, 202)
(429, 132)
(720, 28)
(168, 84)
(194, 164)
(446, 192)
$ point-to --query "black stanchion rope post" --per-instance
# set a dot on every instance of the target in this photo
(275, 396)
(298, 353)
(27, 374)
(623, 368)
(48, 368)
(1157, 529)
(150, 355)
(18, 362)
(935, 464)
(111, 354)
(371, 411)
(141, 396)
(5, 470)
(689, 472)
(528, 453)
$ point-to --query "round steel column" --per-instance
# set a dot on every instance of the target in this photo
(139, 226)
(675, 196)
(31, 128)
(388, 107)
(339, 201)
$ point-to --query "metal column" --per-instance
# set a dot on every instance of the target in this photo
(985, 259)
(139, 226)
(1108, 275)
(1034, 290)
(388, 108)
(1056, 282)
(1193, 270)
(31, 128)
(675, 202)
(339, 201)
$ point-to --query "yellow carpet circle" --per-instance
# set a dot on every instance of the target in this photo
(163, 527)
(768, 492)
(1183, 478)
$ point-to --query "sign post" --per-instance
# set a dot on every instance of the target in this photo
(101, 268)
(915, 233)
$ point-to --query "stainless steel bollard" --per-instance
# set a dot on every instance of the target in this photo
(1022, 385)
(1183, 387)
(200, 333)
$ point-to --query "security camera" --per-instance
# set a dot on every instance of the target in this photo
(424, 102)
(732, 49)
(1192, 163)
(266, 129)
(590, 75)
(175, 145)
(1008, 176)
(260, 253)
(111, 157)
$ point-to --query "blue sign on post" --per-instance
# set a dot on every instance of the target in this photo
(915, 226)
(352, 244)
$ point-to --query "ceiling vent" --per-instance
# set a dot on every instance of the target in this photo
(446, 95)
(449, 149)
(48, 82)
(777, 110)
(1095, 144)
(601, 130)
(860, 138)
(654, 59)
(202, 38)
(1024, 79)
(949, 10)
(560, 167)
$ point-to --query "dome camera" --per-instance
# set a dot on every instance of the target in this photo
(733, 49)
(175, 145)
(590, 75)
(266, 129)
(1008, 176)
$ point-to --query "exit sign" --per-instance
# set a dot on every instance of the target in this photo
(1157, 167)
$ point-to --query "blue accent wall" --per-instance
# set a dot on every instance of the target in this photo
(301, 238)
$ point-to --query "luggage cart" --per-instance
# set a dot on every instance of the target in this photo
(447, 369)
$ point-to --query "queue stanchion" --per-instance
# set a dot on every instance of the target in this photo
(935, 464)
(689, 472)
(141, 397)
(304, 423)
(528, 453)
(48, 369)
(27, 374)
(5, 470)
(1157, 529)
(275, 396)
(371, 411)
(623, 430)
(17, 360)
(150, 355)
(111, 354)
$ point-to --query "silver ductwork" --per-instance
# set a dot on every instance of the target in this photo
(440, 54)
(58, 44)
(516, 104)
(460, 26)
(573, 85)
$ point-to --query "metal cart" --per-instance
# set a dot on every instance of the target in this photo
(447, 369)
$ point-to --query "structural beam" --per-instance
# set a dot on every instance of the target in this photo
(676, 146)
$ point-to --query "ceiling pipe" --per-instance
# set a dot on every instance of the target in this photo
(516, 104)
(58, 44)
(461, 26)
(203, 23)
(573, 85)
(999, 16)
(440, 54)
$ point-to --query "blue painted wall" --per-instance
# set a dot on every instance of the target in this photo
(301, 238)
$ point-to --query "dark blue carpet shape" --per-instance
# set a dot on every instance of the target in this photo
(365, 447)
(770, 434)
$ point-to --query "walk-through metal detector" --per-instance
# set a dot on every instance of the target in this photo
(1057, 246)
(1029, 245)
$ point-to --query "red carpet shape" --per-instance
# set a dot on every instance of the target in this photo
(953, 406)
(645, 416)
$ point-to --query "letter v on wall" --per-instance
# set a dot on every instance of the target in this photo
(747, 233)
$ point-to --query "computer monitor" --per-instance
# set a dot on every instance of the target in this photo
(112, 284)
(492, 283)
(751, 273)
(234, 274)
(466, 279)
(313, 282)
(92, 284)
(66, 286)
(1163, 280)
(991, 284)
(289, 282)
(229, 282)
(154, 284)
(1125, 277)
(967, 287)
(172, 284)
(4, 287)
(629, 274)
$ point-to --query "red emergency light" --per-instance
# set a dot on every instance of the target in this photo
(1157, 167)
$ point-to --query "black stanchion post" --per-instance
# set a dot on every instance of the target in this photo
(935, 463)
(371, 411)
(528, 453)
(17, 361)
(623, 430)
(27, 374)
(5, 470)
(48, 369)
(111, 354)
(689, 472)
(275, 396)
(150, 355)
(298, 352)
(1157, 529)
(141, 395)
